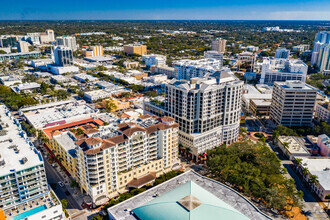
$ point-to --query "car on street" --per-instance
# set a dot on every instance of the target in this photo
(61, 184)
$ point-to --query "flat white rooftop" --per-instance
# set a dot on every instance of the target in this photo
(319, 167)
(15, 145)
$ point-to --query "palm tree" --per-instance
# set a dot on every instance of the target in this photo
(275, 136)
(305, 171)
(297, 162)
(313, 180)
(286, 145)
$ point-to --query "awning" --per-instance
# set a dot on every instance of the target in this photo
(143, 180)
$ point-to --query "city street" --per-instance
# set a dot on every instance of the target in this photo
(312, 208)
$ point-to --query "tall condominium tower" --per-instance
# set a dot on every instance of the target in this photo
(293, 103)
(282, 53)
(63, 56)
(207, 110)
(219, 45)
(323, 60)
(67, 41)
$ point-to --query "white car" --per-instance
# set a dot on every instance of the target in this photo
(60, 184)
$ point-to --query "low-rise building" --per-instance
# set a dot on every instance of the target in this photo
(137, 74)
(10, 80)
(166, 70)
(83, 77)
(60, 79)
(323, 142)
(154, 59)
(260, 107)
(15, 56)
(292, 147)
(25, 87)
(320, 167)
(58, 70)
(138, 49)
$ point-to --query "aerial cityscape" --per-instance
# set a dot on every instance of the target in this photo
(146, 116)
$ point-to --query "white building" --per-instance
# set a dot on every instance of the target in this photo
(23, 182)
(154, 59)
(58, 70)
(211, 54)
(322, 112)
(301, 48)
(252, 48)
(23, 47)
(63, 56)
(273, 70)
(41, 63)
(208, 110)
(10, 80)
(293, 103)
(67, 41)
(166, 70)
(60, 79)
(25, 87)
(282, 53)
(187, 69)
(323, 59)
(82, 77)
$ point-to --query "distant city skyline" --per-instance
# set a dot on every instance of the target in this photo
(165, 10)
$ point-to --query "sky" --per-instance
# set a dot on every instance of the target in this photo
(165, 10)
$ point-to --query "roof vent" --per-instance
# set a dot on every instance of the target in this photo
(24, 160)
(2, 162)
(189, 202)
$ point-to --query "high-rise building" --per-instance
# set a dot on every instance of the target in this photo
(282, 53)
(293, 103)
(23, 183)
(246, 60)
(154, 60)
(63, 56)
(208, 110)
(138, 49)
(94, 51)
(67, 41)
(51, 35)
(8, 41)
(323, 60)
(323, 37)
(219, 45)
(186, 69)
(322, 40)
(23, 47)
(282, 69)
(127, 153)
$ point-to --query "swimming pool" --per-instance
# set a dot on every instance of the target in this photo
(30, 212)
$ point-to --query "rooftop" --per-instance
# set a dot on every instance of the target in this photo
(321, 168)
(16, 149)
(187, 196)
(296, 146)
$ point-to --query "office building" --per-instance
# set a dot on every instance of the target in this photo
(8, 41)
(282, 53)
(187, 69)
(67, 41)
(208, 110)
(11, 56)
(219, 45)
(24, 192)
(293, 103)
(273, 70)
(260, 107)
(63, 56)
(138, 49)
(187, 196)
(107, 160)
(213, 55)
(322, 112)
(23, 47)
(154, 60)
(94, 51)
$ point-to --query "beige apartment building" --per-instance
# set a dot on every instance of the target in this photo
(135, 49)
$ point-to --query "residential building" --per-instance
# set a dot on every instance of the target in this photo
(260, 107)
(252, 48)
(63, 56)
(137, 74)
(187, 196)
(24, 191)
(51, 35)
(213, 55)
(323, 142)
(187, 69)
(301, 48)
(95, 95)
(219, 44)
(23, 47)
(84, 77)
(321, 168)
(8, 41)
(322, 112)
(280, 70)
(323, 60)
(67, 41)
(166, 70)
(208, 110)
(282, 53)
(322, 38)
(131, 64)
(293, 103)
(94, 51)
(138, 49)
(154, 60)
(110, 159)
